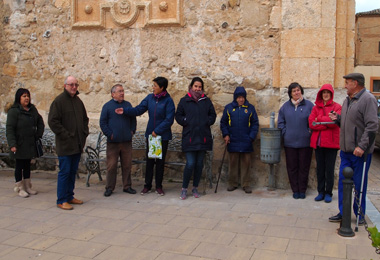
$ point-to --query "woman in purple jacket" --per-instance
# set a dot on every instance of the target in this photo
(293, 122)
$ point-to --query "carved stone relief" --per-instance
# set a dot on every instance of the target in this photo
(126, 13)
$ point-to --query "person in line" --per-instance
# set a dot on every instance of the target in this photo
(69, 122)
(23, 128)
(239, 125)
(325, 140)
(119, 130)
(195, 113)
(293, 122)
(357, 120)
(160, 107)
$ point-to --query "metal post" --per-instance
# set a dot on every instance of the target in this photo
(271, 179)
(345, 229)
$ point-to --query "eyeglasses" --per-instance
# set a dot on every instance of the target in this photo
(73, 85)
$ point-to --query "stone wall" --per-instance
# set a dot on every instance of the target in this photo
(261, 44)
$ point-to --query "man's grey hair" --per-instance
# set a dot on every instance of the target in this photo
(113, 89)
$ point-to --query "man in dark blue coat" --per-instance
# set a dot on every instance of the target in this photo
(119, 130)
(239, 125)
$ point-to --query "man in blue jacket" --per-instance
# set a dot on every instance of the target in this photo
(239, 125)
(119, 130)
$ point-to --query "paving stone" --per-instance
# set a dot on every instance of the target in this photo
(222, 252)
(211, 236)
(244, 228)
(119, 239)
(108, 213)
(24, 253)
(75, 233)
(77, 248)
(292, 232)
(170, 245)
(161, 230)
(148, 217)
(317, 248)
(363, 251)
(260, 254)
(171, 256)
(127, 253)
(260, 242)
(196, 222)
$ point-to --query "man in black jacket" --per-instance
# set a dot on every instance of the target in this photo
(68, 120)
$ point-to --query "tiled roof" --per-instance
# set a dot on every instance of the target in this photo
(375, 12)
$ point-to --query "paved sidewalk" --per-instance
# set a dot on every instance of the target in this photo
(226, 225)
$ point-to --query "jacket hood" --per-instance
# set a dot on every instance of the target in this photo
(240, 91)
(319, 99)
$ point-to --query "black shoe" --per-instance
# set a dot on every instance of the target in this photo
(107, 193)
(130, 190)
(296, 195)
(302, 195)
(336, 218)
(361, 222)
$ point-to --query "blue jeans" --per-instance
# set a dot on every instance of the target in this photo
(356, 163)
(68, 167)
(194, 162)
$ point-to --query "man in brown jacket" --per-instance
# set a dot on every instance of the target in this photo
(68, 120)
(358, 119)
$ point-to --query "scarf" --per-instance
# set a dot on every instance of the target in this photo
(296, 102)
(195, 95)
(162, 94)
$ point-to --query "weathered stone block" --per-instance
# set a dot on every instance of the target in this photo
(301, 14)
(255, 13)
(10, 70)
(315, 42)
(296, 69)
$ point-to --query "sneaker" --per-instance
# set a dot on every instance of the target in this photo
(320, 197)
(183, 194)
(328, 198)
(160, 191)
(296, 195)
(195, 193)
(361, 222)
(145, 191)
(336, 218)
(302, 195)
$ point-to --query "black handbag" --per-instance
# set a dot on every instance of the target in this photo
(40, 151)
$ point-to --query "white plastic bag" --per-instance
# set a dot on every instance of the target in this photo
(155, 147)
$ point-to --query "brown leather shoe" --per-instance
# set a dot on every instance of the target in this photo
(76, 201)
(65, 206)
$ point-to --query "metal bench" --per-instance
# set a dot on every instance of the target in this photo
(96, 156)
(48, 142)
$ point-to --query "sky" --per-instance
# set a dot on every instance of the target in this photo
(367, 5)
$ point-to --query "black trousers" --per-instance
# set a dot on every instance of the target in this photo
(325, 158)
(22, 169)
(160, 165)
(298, 162)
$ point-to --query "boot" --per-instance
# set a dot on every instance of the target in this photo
(28, 187)
(19, 188)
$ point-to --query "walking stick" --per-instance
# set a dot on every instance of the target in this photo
(220, 169)
(371, 139)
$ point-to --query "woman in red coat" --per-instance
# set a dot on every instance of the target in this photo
(325, 140)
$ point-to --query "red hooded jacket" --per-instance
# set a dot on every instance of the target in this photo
(328, 134)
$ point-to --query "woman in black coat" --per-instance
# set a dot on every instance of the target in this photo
(196, 113)
(24, 127)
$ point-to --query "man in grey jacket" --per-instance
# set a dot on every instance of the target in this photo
(357, 120)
